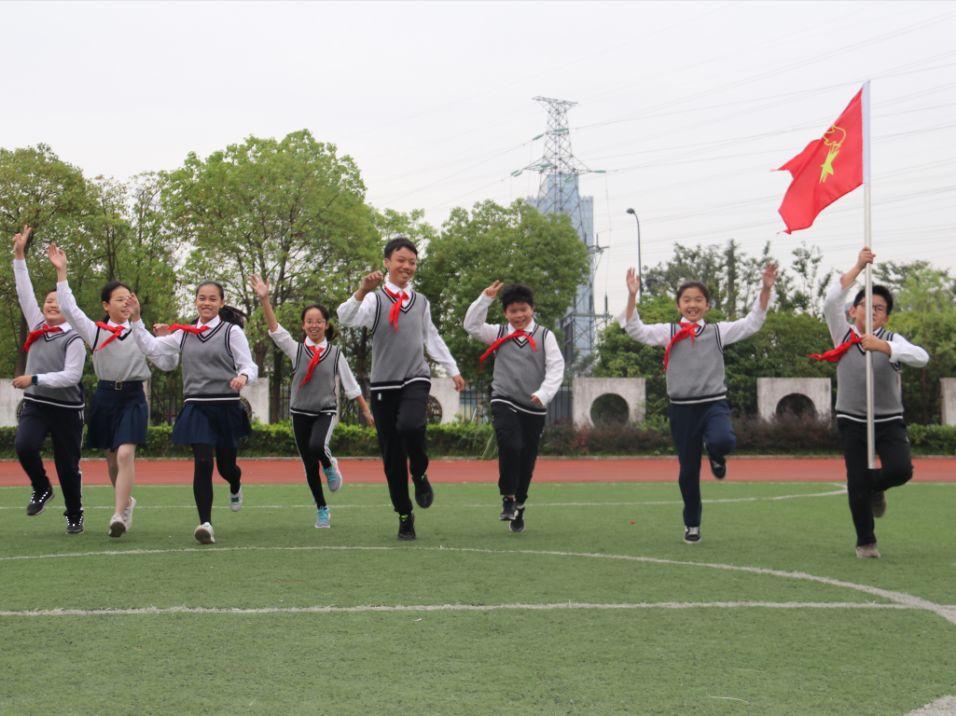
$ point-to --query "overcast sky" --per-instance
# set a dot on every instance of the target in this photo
(686, 106)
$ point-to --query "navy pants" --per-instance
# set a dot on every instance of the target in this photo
(65, 427)
(518, 435)
(400, 420)
(893, 447)
(693, 426)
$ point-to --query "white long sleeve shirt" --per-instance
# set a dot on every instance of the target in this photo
(288, 345)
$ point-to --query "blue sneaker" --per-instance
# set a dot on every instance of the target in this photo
(322, 518)
(333, 476)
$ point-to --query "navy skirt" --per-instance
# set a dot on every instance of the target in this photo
(221, 424)
(119, 416)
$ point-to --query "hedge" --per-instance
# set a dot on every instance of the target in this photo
(476, 440)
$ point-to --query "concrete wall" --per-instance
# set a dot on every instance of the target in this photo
(258, 396)
(586, 390)
(443, 390)
(9, 398)
(948, 400)
(770, 391)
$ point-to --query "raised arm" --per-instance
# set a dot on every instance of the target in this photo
(734, 331)
(359, 310)
(80, 322)
(477, 312)
(261, 289)
(26, 297)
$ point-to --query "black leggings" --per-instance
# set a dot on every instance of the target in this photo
(312, 434)
(202, 475)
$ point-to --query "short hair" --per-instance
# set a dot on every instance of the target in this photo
(516, 293)
(877, 291)
(399, 242)
(693, 284)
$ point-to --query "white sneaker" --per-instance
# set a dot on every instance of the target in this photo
(235, 501)
(128, 512)
(117, 525)
(204, 534)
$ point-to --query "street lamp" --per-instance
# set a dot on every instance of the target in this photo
(640, 291)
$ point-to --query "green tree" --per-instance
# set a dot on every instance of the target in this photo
(292, 211)
(512, 244)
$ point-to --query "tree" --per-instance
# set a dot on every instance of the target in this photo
(289, 210)
(512, 244)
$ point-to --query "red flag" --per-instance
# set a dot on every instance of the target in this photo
(828, 168)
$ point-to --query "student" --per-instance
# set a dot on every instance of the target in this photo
(53, 395)
(528, 372)
(315, 366)
(694, 368)
(865, 487)
(400, 323)
(216, 365)
(119, 416)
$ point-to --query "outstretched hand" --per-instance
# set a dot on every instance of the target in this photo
(493, 289)
(371, 281)
(135, 310)
(20, 242)
(769, 275)
(57, 257)
(260, 287)
(633, 281)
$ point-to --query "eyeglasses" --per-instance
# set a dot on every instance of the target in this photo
(877, 308)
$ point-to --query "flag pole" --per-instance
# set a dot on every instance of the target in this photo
(867, 242)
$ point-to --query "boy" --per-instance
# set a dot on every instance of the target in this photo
(866, 487)
(529, 369)
(401, 326)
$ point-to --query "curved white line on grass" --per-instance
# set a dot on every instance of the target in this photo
(485, 505)
(369, 608)
(947, 612)
(945, 706)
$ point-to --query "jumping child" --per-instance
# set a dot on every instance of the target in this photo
(216, 365)
(528, 372)
(694, 369)
(315, 365)
(53, 395)
(119, 416)
(401, 326)
(865, 487)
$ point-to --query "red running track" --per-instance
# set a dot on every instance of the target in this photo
(369, 470)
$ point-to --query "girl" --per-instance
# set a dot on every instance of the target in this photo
(216, 365)
(315, 365)
(694, 368)
(119, 416)
(53, 395)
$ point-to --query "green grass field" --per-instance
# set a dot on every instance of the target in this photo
(598, 608)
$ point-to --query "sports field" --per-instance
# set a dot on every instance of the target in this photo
(597, 608)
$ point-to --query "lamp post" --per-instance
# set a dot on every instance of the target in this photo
(640, 279)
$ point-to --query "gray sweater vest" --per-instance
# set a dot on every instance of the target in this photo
(851, 383)
(318, 395)
(695, 370)
(208, 364)
(398, 357)
(48, 355)
(519, 371)
(121, 360)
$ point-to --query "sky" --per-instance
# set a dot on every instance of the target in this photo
(686, 107)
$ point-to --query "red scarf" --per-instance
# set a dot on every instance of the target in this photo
(836, 354)
(316, 357)
(398, 297)
(687, 330)
(498, 343)
(33, 336)
(188, 329)
(115, 330)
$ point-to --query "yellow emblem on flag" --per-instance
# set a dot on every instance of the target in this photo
(832, 138)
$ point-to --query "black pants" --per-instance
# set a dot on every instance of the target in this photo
(893, 447)
(202, 475)
(518, 435)
(400, 420)
(691, 427)
(65, 427)
(312, 434)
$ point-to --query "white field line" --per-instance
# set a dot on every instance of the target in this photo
(947, 612)
(418, 608)
(945, 706)
(485, 505)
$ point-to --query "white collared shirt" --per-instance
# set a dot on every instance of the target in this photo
(288, 345)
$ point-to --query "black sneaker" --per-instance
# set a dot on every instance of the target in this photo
(38, 501)
(718, 466)
(74, 524)
(406, 526)
(424, 495)
(508, 509)
(878, 503)
(692, 535)
(517, 524)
